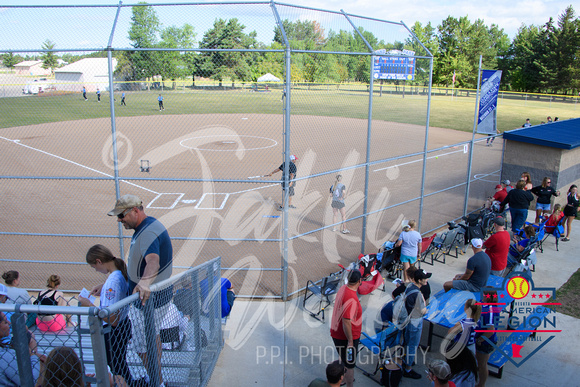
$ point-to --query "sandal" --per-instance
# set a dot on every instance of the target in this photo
(565, 239)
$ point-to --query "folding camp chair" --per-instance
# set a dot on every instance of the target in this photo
(522, 261)
(328, 286)
(380, 345)
(557, 231)
(428, 250)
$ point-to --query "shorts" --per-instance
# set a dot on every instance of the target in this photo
(139, 342)
(341, 349)
(543, 207)
(570, 210)
(336, 204)
(465, 285)
(408, 258)
(58, 323)
(484, 347)
(290, 190)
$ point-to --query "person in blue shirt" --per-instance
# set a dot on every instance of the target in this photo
(85, 93)
(123, 99)
(160, 99)
(98, 95)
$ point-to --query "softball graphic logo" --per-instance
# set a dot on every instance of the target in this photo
(518, 287)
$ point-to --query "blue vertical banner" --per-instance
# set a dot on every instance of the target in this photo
(486, 122)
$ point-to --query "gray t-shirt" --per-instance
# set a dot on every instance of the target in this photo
(410, 243)
(480, 263)
(338, 192)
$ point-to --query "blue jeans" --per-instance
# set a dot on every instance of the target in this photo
(519, 217)
(412, 340)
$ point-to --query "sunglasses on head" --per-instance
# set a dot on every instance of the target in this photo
(122, 214)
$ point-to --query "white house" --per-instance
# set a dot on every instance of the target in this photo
(31, 67)
(91, 73)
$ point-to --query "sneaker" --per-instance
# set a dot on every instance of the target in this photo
(333, 230)
(280, 208)
(411, 374)
(345, 231)
(291, 206)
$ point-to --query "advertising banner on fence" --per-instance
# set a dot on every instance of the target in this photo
(487, 122)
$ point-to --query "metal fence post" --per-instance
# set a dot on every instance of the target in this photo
(20, 345)
(151, 339)
(99, 348)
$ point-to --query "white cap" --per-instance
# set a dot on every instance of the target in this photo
(477, 243)
(292, 158)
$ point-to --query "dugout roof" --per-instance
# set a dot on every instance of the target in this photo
(559, 134)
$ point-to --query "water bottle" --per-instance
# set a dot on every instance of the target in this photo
(350, 354)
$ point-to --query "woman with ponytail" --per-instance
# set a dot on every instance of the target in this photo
(116, 288)
(338, 194)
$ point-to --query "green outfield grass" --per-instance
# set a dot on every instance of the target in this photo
(456, 113)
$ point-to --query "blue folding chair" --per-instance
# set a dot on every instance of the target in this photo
(379, 346)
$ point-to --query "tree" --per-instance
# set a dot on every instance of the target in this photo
(10, 60)
(566, 47)
(143, 33)
(222, 65)
(174, 63)
(49, 58)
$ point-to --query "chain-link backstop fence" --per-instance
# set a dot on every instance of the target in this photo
(174, 338)
(197, 109)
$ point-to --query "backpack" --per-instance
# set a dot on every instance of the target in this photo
(400, 316)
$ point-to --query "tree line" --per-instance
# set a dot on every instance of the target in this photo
(543, 59)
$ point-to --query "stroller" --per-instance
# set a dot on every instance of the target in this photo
(391, 260)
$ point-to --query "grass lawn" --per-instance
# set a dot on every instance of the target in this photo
(569, 296)
(456, 113)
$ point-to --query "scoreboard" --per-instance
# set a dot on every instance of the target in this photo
(400, 67)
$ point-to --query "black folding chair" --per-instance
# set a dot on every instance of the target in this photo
(322, 292)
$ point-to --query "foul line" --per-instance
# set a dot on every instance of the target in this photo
(418, 160)
(17, 142)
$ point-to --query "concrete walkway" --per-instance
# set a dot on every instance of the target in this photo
(278, 344)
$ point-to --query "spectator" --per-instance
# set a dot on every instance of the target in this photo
(439, 372)
(63, 368)
(416, 308)
(334, 376)
(386, 312)
(544, 193)
(476, 273)
(346, 325)
(52, 297)
(528, 179)
(519, 201)
(410, 242)
(506, 184)
(150, 261)
(9, 375)
(549, 119)
(571, 209)
(515, 250)
(498, 197)
(114, 290)
(15, 294)
(554, 219)
(464, 369)
(464, 330)
(527, 124)
(483, 348)
(497, 246)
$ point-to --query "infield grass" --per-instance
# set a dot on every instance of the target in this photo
(446, 112)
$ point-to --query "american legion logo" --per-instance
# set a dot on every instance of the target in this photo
(524, 320)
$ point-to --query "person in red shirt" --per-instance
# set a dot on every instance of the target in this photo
(497, 246)
(346, 324)
(499, 196)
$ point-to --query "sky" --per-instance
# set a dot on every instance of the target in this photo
(75, 27)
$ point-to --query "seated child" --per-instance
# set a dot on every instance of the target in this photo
(516, 249)
(464, 330)
(554, 219)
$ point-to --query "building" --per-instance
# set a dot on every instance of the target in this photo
(31, 67)
(547, 150)
(92, 73)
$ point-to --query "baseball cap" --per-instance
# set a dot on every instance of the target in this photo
(421, 274)
(477, 243)
(506, 182)
(498, 186)
(3, 290)
(440, 369)
(292, 158)
(500, 221)
(125, 202)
